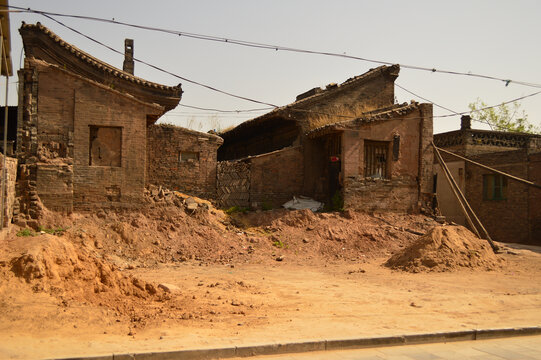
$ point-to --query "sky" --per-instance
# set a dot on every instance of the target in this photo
(496, 38)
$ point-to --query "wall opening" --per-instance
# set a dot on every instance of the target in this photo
(375, 159)
(188, 156)
(105, 146)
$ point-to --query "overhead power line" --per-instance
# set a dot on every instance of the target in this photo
(273, 47)
(226, 111)
(271, 106)
(159, 68)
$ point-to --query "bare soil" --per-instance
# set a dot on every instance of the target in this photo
(167, 277)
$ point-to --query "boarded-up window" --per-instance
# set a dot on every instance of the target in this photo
(105, 146)
(375, 159)
(494, 187)
(188, 156)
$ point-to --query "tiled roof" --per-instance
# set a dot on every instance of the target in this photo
(376, 115)
(33, 31)
(320, 94)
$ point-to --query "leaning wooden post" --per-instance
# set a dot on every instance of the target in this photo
(462, 200)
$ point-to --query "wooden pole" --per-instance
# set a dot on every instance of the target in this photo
(463, 202)
(464, 211)
(491, 169)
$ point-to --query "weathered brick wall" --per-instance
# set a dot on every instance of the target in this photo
(398, 194)
(9, 193)
(274, 178)
(410, 175)
(505, 220)
(370, 91)
(54, 142)
(534, 199)
(165, 166)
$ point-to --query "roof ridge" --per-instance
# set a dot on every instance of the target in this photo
(95, 62)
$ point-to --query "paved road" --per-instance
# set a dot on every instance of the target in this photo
(515, 348)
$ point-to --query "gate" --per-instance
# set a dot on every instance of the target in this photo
(233, 183)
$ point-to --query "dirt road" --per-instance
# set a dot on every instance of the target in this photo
(252, 303)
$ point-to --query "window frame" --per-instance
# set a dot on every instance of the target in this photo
(373, 149)
(494, 187)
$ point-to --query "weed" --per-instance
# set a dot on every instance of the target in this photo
(58, 231)
(279, 244)
(25, 232)
(236, 209)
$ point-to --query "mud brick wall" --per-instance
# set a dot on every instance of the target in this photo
(55, 142)
(505, 220)
(399, 194)
(276, 177)
(9, 194)
(267, 180)
(409, 186)
(166, 167)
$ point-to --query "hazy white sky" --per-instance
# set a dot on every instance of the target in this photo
(497, 38)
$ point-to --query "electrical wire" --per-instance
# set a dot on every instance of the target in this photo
(272, 47)
(225, 111)
(272, 106)
(160, 69)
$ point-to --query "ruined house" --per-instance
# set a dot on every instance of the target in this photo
(346, 143)
(82, 127)
(509, 210)
(182, 159)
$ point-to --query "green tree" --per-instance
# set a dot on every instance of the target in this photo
(506, 117)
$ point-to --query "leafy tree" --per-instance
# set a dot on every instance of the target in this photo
(508, 117)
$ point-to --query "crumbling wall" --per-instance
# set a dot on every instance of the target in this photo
(182, 159)
(78, 142)
(408, 164)
(262, 181)
(9, 192)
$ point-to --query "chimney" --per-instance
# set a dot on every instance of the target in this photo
(128, 56)
(465, 122)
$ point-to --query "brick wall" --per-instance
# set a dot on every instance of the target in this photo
(534, 200)
(165, 167)
(54, 142)
(276, 177)
(9, 193)
(505, 220)
(273, 178)
(410, 175)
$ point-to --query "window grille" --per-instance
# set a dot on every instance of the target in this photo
(375, 159)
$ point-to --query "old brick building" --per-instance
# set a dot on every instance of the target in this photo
(82, 127)
(509, 210)
(347, 141)
(182, 159)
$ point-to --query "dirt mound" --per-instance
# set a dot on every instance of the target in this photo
(445, 248)
(54, 265)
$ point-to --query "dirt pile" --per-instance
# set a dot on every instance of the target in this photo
(53, 264)
(445, 248)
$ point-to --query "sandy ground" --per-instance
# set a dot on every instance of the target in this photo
(84, 297)
(282, 303)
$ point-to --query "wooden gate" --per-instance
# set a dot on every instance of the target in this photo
(233, 183)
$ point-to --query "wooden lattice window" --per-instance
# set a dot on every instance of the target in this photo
(376, 154)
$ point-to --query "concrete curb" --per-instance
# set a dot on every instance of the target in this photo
(322, 345)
